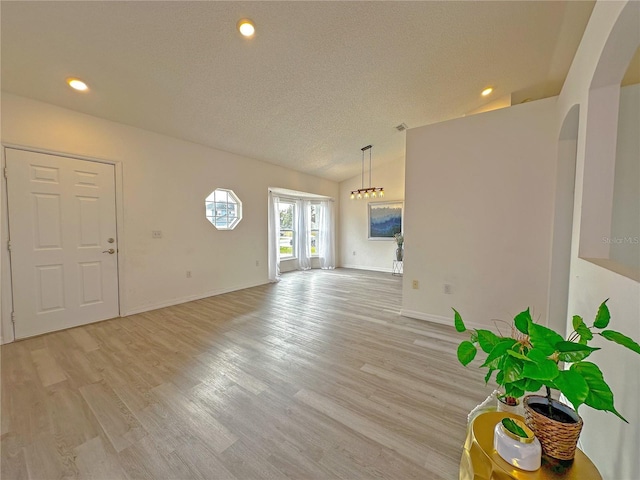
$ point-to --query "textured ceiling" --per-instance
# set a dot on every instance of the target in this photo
(318, 81)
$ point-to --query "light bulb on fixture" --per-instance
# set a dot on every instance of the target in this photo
(246, 28)
(381, 194)
(353, 195)
(359, 196)
(77, 84)
(373, 194)
(366, 194)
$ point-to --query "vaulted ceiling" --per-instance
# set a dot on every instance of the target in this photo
(318, 81)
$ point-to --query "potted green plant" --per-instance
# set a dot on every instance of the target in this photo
(400, 242)
(535, 356)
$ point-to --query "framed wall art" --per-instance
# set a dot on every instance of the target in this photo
(385, 220)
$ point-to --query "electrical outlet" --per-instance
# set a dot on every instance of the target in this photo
(188, 273)
(446, 288)
(156, 234)
(415, 284)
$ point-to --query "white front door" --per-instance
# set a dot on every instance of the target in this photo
(62, 230)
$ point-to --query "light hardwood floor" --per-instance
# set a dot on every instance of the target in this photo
(315, 377)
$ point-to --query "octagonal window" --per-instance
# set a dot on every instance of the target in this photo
(223, 209)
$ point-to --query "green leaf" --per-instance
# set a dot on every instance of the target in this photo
(457, 320)
(573, 386)
(542, 368)
(493, 364)
(573, 352)
(581, 329)
(585, 333)
(603, 316)
(537, 355)
(577, 321)
(512, 369)
(514, 428)
(487, 377)
(543, 338)
(566, 346)
(522, 320)
(532, 385)
(600, 396)
(526, 385)
(512, 390)
(572, 357)
(515, 354)
(499, 350)
(466, 352)
(487, 340)
(545, 371)
(621, 339)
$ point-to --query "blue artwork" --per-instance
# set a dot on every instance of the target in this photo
(385, 219)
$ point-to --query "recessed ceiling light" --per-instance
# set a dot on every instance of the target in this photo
(246, 28)
(77, 84)
(487, 91)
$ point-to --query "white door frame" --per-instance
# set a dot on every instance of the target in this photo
(7, 333)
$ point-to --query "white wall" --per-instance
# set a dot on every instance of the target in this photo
(165, 182)
(479, 213)
(611, 38)
(369, 254)
(625, 221)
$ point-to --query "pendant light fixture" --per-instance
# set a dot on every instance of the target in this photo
(370, 191)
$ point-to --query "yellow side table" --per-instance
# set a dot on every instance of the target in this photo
(481, 462)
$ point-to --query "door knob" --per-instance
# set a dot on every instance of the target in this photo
(111, 251)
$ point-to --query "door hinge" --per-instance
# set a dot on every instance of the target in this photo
(13, 317)
(5, 172)
(9, 244)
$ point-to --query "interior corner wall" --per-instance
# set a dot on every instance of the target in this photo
(611, 37)
(165, 182)
(357, 251)
(479, 215)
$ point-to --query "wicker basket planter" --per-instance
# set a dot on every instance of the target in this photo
(558, 439)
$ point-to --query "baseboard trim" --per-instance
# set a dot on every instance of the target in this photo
(439, 319)
(188, 298)
(364, 267)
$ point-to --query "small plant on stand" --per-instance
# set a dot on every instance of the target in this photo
(533, 357)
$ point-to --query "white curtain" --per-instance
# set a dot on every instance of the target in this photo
(327, 240)
(274, 238)
(303, 237)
